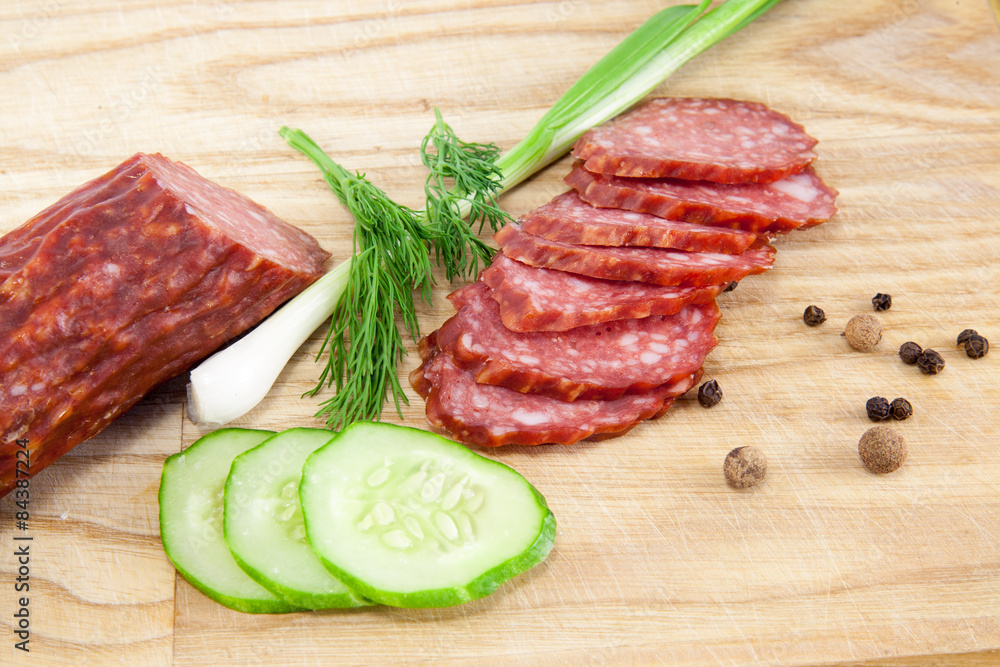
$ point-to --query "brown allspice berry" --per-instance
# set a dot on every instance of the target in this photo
(909, 352)
(745, 466)
(863, 332)
(882, 449)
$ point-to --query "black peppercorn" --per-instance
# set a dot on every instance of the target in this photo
(930, 362)
(900, 408)
(877, 408)
(731, 286)
(965, 335)
(882, 301)
(814, 316)
(977, 346)
(709, 394)
(910, 352)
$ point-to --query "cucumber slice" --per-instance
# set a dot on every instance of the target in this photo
(263, 522)
(191, 506)
(410, 519)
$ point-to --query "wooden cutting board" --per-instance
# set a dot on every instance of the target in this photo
(657, 560)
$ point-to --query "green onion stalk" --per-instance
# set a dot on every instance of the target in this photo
(392, 244)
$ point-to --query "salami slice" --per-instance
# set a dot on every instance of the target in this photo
(651, 265)
(123, 284)
(535, 299)
(491, 416)
(800, 200)
(602, 361)
(719, 140)
(569, 219)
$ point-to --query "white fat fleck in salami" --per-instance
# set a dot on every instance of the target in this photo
(799, 186)
(492, 416)
(569, 219)
(799, 201)
(616, 358)
(659, 266)
(538, 299)
(718, 140)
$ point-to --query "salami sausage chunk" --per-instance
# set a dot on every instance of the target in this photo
(718, 140)
(123, 284)
(651, 265)
(602, 361)
(536, 299)
(800, 200)
(491, 416)
(569, 219)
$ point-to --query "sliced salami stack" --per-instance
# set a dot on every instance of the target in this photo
(713, 162)
(799, 200)
(717, 140)
(540, 299)
(569, 219)
(659, 266)
(600, 308)
(598, 361)
(490, 416)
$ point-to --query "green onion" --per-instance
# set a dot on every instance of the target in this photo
(629, 72)
(366, 291)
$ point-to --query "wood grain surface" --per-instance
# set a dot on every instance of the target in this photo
(657, 560)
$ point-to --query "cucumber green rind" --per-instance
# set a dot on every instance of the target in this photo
(476, 589)
(367, 487)
(263, 528)
(192, 541)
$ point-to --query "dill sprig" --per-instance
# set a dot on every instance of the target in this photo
(363, 344)
(461, 193)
